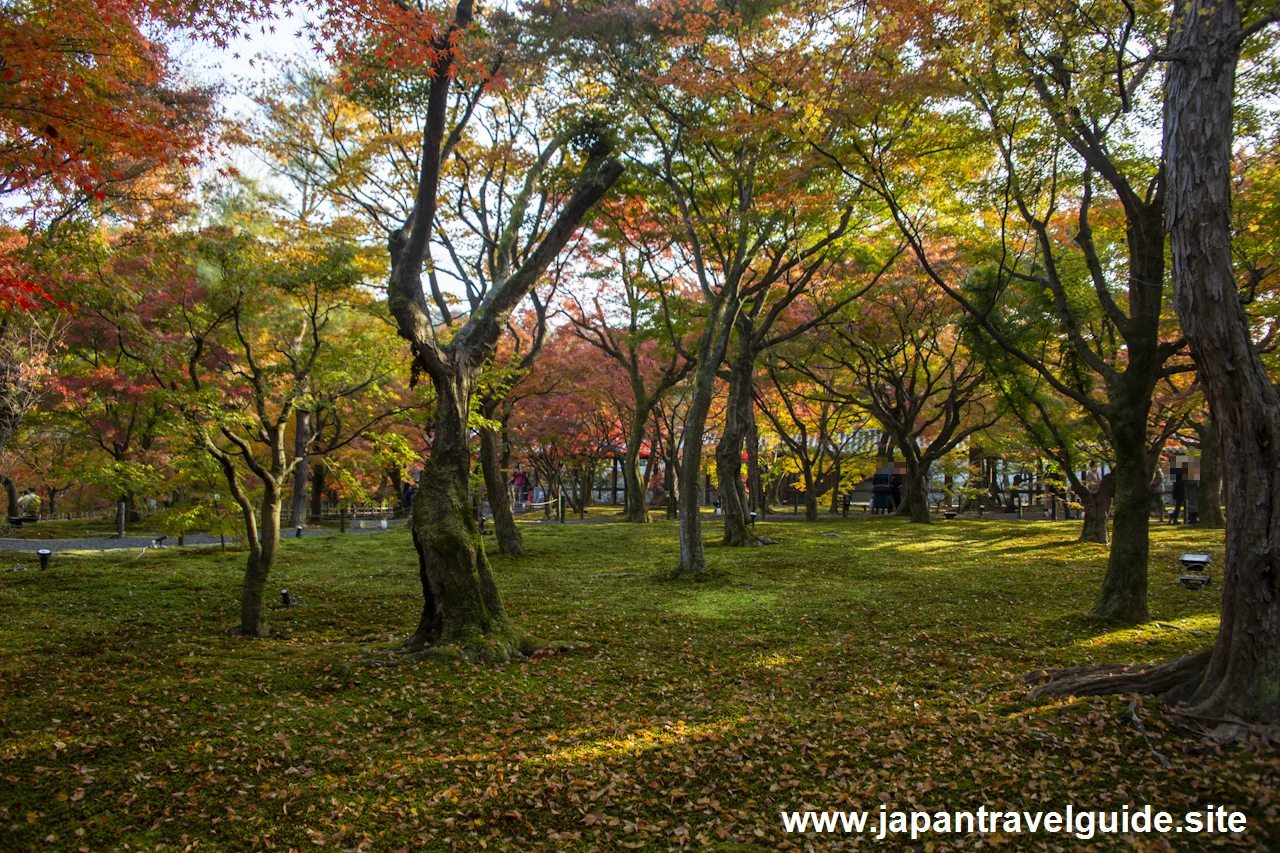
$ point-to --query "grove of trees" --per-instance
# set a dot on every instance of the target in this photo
(656, 253)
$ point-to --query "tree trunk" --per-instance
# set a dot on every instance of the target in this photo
(672, 479)
(810, 489)
(974, 478)
(318, 477)
(755, 483)
(495, 483)
(836, 460)
(1097, 506)
(915, 499)
(264, 543)
(733, 498)
(711, 350)
(1123, 597)
(122, 513)
(1243, 675)
(1209, 495)
(634, 510)
(131, 508)
(11, 495)
(301, 442)
(460, 603)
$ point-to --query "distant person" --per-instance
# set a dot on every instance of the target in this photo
(1179, 489)
(896, 480)
(881, 491)
(25, 502)
(1193, 490)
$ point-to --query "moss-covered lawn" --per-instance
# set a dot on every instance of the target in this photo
(857, 663)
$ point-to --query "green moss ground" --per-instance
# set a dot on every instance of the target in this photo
(875, 665)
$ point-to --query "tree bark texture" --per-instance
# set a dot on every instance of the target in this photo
(1123, 597)
(1209, 495)
(1097, 506)
(461, 606)
(301, 443)
(738, 411)
(635, 510)
(495, 483)
(711, 351)
(1242, 678)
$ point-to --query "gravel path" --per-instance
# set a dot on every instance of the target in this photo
(104, 543)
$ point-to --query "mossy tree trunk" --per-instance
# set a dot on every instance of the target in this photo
(1123, 597)
(737, 424)
(461, 606)
(714, 342)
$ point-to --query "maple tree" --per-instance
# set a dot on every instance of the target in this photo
(649, 347)
(461, 604)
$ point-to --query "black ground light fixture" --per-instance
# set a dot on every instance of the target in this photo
(44, 554)
(297, 534)
(285, 599)
(753, 519)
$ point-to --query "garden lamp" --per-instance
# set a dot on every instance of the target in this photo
(44, 554)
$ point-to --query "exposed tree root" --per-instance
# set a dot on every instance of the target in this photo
(1174, 679)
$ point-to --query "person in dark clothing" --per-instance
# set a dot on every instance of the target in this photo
(1179, 490)
(896, 479)
(881, 495)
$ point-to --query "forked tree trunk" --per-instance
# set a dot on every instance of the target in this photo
(461, 607)
(301, 441)
(264, 544)
(714, 342)
(1097, 506)
(1243, 675)
(1209, 495)
(634, 509)
(733, 497)
(1123, 597)
(495, 483)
